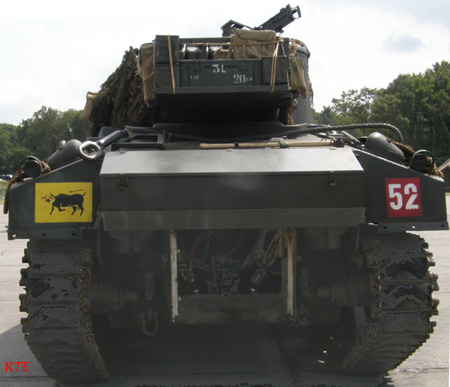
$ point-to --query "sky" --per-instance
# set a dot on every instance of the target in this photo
(53, 52)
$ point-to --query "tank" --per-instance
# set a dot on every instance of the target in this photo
(221, 202)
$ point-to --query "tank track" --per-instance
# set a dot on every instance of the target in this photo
(398, 321)
(58, 328)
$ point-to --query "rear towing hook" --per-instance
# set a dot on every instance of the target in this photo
(152, 317)
(91, 151)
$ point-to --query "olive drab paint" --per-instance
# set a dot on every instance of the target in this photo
(231, 208)
(63, 202)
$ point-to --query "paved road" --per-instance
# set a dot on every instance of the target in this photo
(218, 356)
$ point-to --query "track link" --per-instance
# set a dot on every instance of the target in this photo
(398, 321)
(58, 328)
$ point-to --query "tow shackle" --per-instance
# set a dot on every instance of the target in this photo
(93, 150)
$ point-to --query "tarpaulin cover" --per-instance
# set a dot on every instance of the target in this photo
(253, 44)
(146, 67)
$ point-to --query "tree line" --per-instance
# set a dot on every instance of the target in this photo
(39, 135)
(418, 104)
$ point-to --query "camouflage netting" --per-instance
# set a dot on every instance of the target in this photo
(120, 100)
(429, 166)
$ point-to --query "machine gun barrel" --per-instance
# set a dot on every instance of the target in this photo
(276, 23)
(281, 19)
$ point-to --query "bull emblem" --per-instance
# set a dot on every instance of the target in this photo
(65, 201)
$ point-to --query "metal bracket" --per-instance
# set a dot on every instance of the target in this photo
(291, 283)
(122, 182)
(173, 273)
(331, 179)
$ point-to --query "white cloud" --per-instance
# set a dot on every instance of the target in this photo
(349, 50)
(403, 42)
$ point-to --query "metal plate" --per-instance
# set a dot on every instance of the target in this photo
(244, 188)
(230, 161)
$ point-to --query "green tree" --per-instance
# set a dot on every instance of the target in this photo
(325, 117)
(48, 127)
(419, 104)
(354, 106)
(438, 109)
(39, 135)
(387, 108)
(76, 124)
(44, 132)
(6, 147)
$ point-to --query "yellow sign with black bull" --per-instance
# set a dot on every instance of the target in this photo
(63, 202)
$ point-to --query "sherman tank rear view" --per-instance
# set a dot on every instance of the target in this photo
(212, 198)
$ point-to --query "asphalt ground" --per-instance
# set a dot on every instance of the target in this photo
(251, 355)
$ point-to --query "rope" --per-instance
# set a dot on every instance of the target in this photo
(274, 67)
(232, 44)
(409, 153)
(278, 39)
(13, 180)
(255, 43)
(148, 76)
(19, 176)
(171, 63)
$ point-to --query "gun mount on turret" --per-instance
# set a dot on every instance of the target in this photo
(276, 23)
